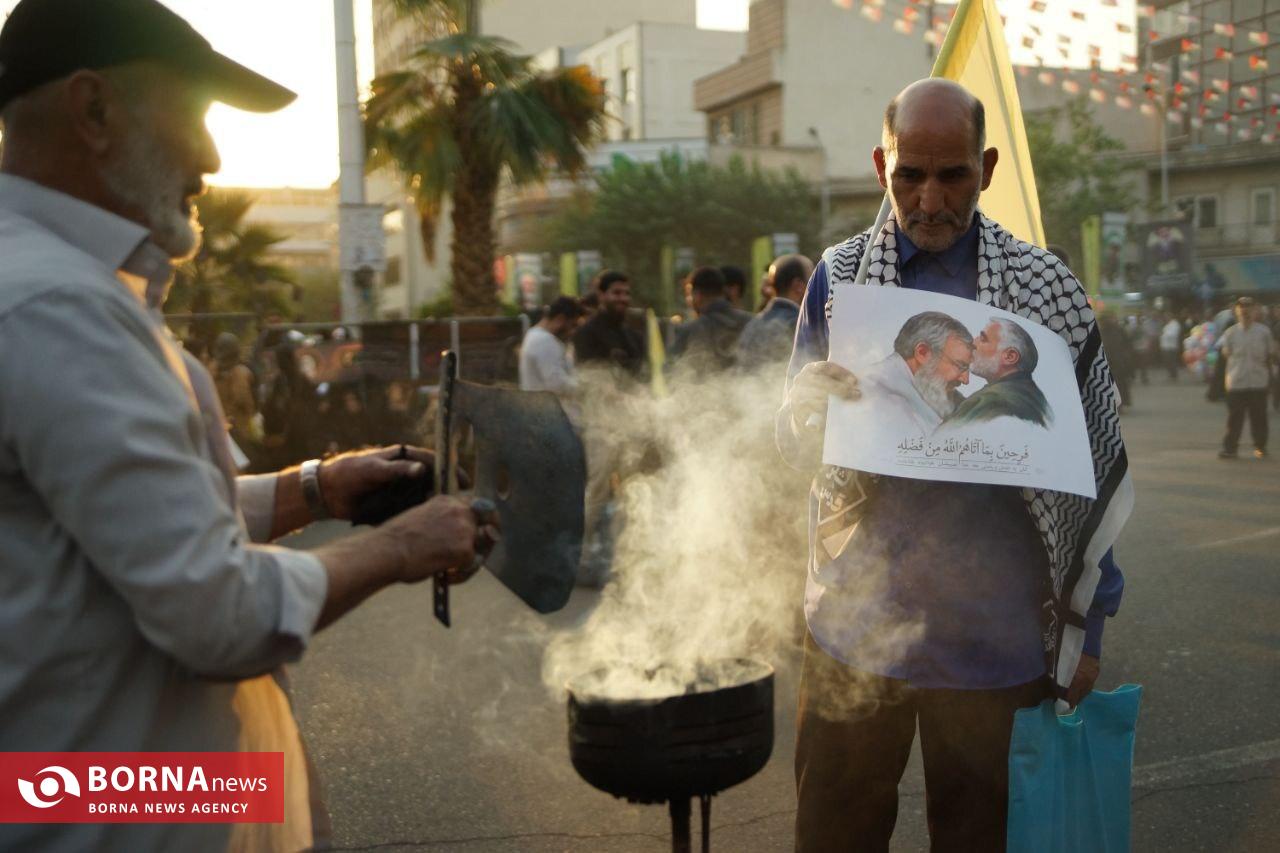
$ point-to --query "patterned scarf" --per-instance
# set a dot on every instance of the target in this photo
(1077, 531)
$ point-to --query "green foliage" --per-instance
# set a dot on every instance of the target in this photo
(1077, 175)
(464, 111)
(638, 208)
(232, 271)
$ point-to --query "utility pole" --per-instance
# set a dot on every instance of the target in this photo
(350, 157)
(473, 17)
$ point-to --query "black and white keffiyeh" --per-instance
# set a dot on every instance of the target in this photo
(1077, 532)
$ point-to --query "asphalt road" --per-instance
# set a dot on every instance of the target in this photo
(434, 739)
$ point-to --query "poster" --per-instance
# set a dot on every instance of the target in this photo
(1166, 256)
(955, 390)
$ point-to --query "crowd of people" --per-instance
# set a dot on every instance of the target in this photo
(1240, 367)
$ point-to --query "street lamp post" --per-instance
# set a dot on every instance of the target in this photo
(350, 154)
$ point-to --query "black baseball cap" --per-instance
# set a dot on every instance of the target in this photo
(45, 40)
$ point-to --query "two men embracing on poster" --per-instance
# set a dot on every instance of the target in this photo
(933, 357)
(943, 599)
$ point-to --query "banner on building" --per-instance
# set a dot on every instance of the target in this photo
(1167, 250)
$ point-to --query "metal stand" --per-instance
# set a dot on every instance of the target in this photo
(705, 801)
(681, 835)
(680, 841)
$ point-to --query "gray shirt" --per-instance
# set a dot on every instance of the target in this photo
(1249, 353)
(132, 602)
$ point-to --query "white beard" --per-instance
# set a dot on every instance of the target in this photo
(933, 389)
(984, 366)
(144, 177)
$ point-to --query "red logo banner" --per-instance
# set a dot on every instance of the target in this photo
(141, 787)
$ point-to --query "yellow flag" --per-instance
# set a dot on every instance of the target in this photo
(976, 56)
(657, 355)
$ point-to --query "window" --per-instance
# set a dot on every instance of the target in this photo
(1199, 210)
(628, 85)
(392, 275)
(1207, 212)
(1264, 207)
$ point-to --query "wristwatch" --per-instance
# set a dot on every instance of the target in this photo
(310, 476)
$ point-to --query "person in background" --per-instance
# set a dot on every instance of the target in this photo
(708, 344)
(766, 340)
(152, 615)
(545, 364)
(1115, 337)
(234, 381)
(605, 339)
(735, 284)
(1250, 350)
(1171, 346)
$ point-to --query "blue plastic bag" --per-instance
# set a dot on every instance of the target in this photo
(1069, 776)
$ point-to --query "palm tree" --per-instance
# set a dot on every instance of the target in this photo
(232, 271)
(464, 111)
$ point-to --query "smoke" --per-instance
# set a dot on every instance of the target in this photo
(711, 550)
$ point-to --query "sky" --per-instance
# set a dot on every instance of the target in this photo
(291, 41)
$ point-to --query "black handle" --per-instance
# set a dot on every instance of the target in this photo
(444, 465)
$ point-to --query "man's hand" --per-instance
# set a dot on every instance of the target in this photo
(345, 479)
(812, 387)
(1082, 684)
(441, 536)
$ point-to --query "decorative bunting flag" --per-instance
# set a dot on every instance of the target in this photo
(1188, 46)
(1147, 109)
(1259, 37)
(1222, 53)
(873, 13)
(1257, 63)
(1124, 102)
(1071, 87)
(1098, 96)
(904, 27)
(1228, 30)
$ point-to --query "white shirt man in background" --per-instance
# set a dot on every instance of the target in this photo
(545, 364)
(1171, 346)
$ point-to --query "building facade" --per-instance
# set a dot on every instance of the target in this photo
(808, 94)
(1219, 65)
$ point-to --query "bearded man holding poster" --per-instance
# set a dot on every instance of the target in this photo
(944, 604)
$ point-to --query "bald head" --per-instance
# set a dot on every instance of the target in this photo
(932, 161)
(935, 103)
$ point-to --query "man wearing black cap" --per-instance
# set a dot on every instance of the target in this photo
(135, 612)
